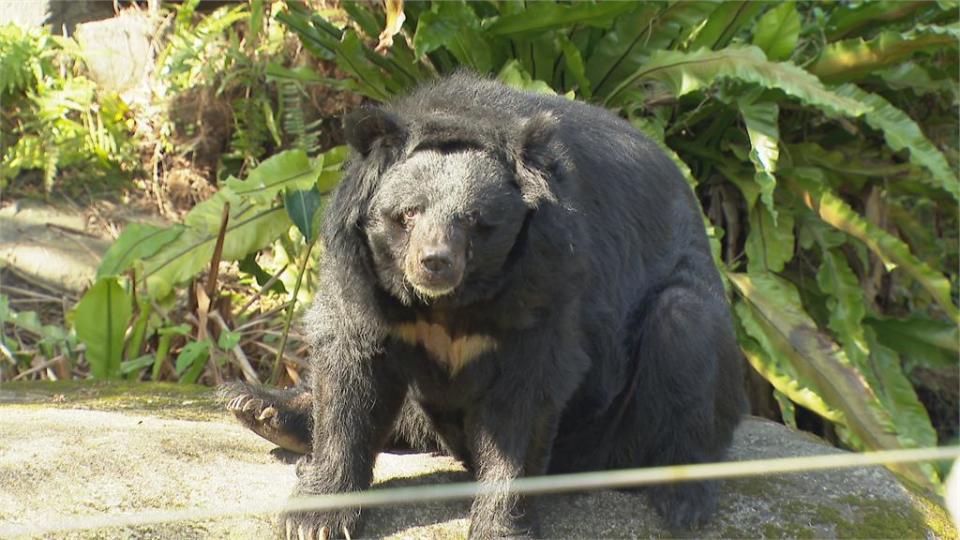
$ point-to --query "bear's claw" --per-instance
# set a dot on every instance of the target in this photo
(269, 412)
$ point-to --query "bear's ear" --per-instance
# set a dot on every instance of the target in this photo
(364, 127)
(535, 155)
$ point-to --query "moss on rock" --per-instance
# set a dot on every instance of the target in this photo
(167, 400)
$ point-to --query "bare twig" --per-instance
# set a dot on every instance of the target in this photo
(70, 230)
(206, 298)
(40, 367)
(263, 316)
(28, 292)
(248, 372)
(217, 253)
(293, 305)
(303, 364)
(262, 290)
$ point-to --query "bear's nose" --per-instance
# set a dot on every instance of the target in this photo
(436, 260)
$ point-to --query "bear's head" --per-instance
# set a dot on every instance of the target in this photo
(443, 202)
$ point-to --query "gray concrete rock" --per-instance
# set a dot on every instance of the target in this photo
(29, 13)
(56, 245)
(119, 53)
(50, 245)
(72, 449)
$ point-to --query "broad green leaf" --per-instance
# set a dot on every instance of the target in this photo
(769, 244)
(849, 160)
(574, 64)
(770, 356)
(303, 74)
(677, 22)
(919, 230)
(787, 411)
(920, 341)
(363, 17)
(132, 366)
(514, 75)
(330, 172)
(228, 340)
(192, 359)
(139, 330)
(850, 18)
(910, 419)
(350, 58)
(761, 121)
(100, 320)
(24, 320)
(53, 338)
(455, 26)
(846, 304)
(176, 255)
(917, 78)
(724, 23)
(165, 335)
(316, 34)
(835, 211)
(743, 178)
(687, 72)
(250, 228)
(249, 265)
(898, 396)
(855, 58)
(541, 17)
(635, 34)
(777, 31)
(303, 208)
(288, 170)
(538, 55)
(622, 49)
(901, 132)
(820, 360)
(138, 240)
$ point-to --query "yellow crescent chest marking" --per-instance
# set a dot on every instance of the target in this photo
(454, 353)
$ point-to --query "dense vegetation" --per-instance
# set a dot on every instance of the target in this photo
(821, 139)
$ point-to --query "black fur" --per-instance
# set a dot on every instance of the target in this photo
(576, 252)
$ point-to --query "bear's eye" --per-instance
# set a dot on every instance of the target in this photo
(406, 218)
(475, 222)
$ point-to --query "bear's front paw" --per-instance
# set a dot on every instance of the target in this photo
(688, 505)
(319, 525)
(513, 526)
(268, 415)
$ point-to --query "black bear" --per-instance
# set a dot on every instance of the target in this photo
(522, 279)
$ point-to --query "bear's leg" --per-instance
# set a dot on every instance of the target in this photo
(685, 387)
(509, 440)
(355, 405)
(511, 429)
(279, 416)
(284, 417)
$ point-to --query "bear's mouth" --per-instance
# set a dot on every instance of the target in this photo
(430, 292)
(431, 286)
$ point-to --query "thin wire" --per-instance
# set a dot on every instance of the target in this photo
(465, 490)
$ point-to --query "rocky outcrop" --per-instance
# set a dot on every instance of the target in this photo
(77, 449)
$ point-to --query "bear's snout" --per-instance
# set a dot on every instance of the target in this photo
(437, 263)
(436, 260)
